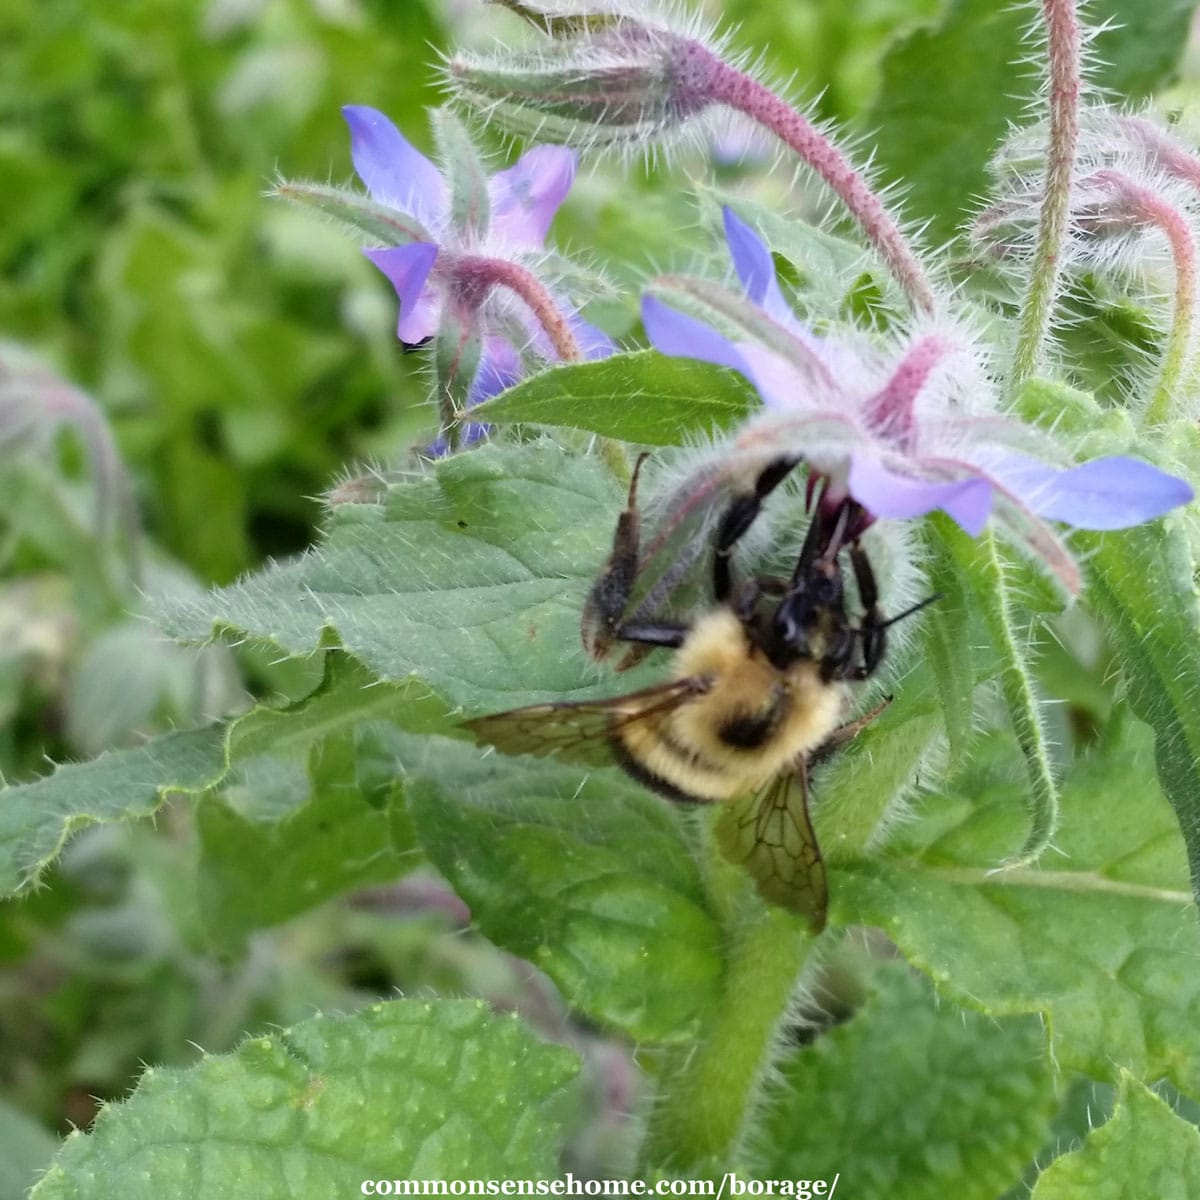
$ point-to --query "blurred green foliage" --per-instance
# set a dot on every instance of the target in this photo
(243, 353)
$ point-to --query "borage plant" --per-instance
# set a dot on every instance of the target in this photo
(908, 565)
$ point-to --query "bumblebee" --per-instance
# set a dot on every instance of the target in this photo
(758, 689)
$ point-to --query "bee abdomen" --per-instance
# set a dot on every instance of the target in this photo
(671, 758)
(751, 731)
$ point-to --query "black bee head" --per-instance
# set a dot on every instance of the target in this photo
(809, 618)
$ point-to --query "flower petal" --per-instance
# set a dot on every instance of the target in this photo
(395, 171)
(499, 368)
(779, 383)
(675, 333)
(1105, 493)
(593, 342)
(408, 268)
(469, 433)
(526, 196)
(756, 269)
(887, 494)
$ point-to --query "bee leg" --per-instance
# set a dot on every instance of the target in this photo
(609, 597)
(670, 634)
(845, 734)
(738, 517)
(873, 629)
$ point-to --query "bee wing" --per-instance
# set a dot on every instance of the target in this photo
(580, 731)
(771, 835)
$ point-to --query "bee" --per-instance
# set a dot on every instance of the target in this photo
(758, 687)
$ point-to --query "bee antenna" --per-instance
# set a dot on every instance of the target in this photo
(916, 608)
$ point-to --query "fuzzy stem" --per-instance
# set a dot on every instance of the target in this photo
(482, 273)
(1148, 208)
(720, 83)
(708, 1088)
(1168, 155)
(1064, 52)
(992, 595)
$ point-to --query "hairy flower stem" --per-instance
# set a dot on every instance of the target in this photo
(483, 273)
(1064, 46)
(1149, 208)
(1167, 155)
(992, 595)
(719, 83)
(708, 1088)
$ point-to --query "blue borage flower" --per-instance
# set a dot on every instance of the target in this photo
(441, 261)
(903, 433)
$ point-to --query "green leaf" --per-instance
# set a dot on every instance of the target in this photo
(643, 397)
(26, 1149)
(854, 795)
(36, 819)
(591, 881)
(1101, 937)
(991, 581)
(352, 831)
(1143, 1150)
(858, 1101)
(950, 93)
(348, 696)
(465, 585)
(408, 1089)
(1137, 48)
(1140, 582)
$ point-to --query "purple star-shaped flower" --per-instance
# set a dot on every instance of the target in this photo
(444, 249)
(897, 432)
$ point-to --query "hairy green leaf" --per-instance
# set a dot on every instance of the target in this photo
(1143, 1150)
(643, 397)
(854, 795)
(1100, 937)
(589, 879)
(859, 1100)
(405, 1090)
(352, 830)
(1140, 582)
(465, 584)
(948, 640)
(37, 818)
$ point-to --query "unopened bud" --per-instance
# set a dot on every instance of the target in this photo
(621, 83)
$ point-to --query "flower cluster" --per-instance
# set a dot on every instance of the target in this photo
(904, 425)
(903, 432)
(465, 254)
